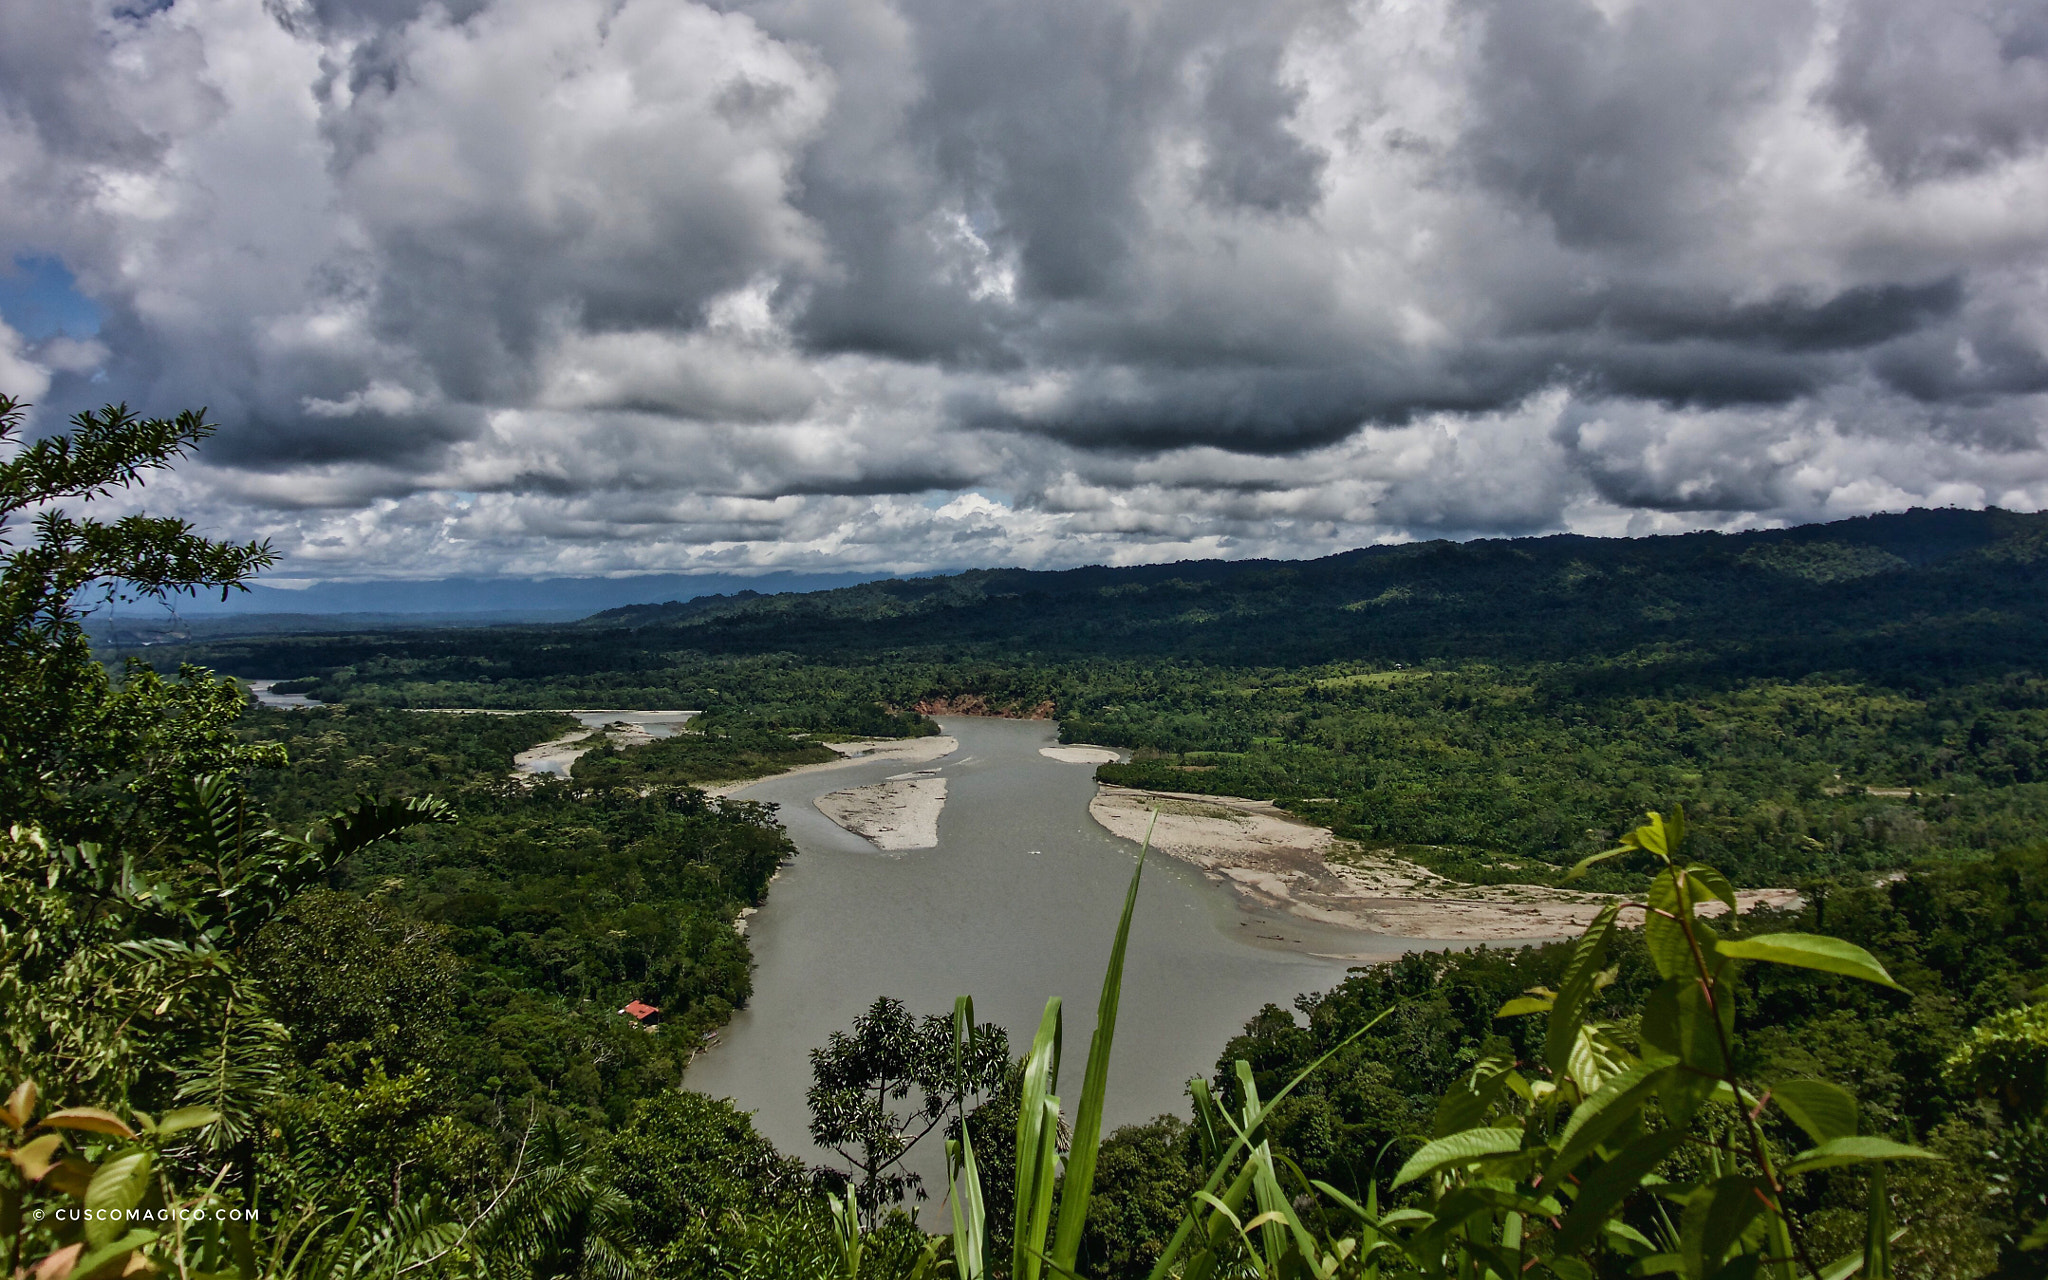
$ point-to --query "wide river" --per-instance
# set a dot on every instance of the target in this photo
(1018, 902)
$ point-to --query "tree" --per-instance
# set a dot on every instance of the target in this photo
(73, 742)
(2006, 1058)
(133, 868)
(859, 1080)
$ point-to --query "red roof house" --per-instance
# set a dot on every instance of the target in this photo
(640, 1010)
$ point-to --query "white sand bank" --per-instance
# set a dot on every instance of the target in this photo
(904, 750)
(901, 813)
(1275, 861)
(558, 756)
(1081, 755)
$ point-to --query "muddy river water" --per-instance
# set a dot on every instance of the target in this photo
(1018, 901)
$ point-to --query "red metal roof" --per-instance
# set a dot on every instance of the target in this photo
(640, 1010)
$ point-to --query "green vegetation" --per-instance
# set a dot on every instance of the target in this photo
(1844, 698)
(714, 750)
(286, 1016)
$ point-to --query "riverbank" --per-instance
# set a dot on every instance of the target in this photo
(1276, 862)
(867, 751)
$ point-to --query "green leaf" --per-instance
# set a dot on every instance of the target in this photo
(1465, 1104)
(1824, 1110)
(1520, 1005)
(1811, 951)
(1842, 1151)
(1671, 931)
(91, 1119)
(185, 1118)
(1677, 1020)
(1583, 865)
(35, 1158)
(1603, 1190)
(1460, 1148)
(1038, 1119)
(1581, 973)
(107, 1258)
(1716, 884)
(1079, 1177)
(1716, 1219)
(116, 1187)
(1619, 1101)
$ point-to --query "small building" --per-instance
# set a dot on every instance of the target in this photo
(640, 1011)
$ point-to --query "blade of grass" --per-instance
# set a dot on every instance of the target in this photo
(1167, 1256)
(1087, 1139)
(1037, 1153)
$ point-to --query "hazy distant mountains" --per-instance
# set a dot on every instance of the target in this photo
(1907, 587)
(1921, 595)
(369, 606)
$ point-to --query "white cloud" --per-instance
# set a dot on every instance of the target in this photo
(608, 285)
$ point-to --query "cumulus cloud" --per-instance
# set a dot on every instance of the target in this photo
(506, 286)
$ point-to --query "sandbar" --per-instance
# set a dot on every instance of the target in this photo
(1275, 861)
(559, 755)
(1081, 754)
(903, 750)
(900, 813)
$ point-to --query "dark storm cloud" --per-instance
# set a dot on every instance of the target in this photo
(1193, 277)
(1944, 88)
(1623, 130)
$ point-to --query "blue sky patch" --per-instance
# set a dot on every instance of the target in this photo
(39, 299)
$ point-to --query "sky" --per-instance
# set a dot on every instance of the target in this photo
(589, 287)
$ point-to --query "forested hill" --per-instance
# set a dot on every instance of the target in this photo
(1895, 598)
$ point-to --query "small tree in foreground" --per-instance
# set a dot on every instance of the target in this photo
(880, 1089)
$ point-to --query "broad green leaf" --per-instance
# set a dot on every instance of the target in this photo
(1603, 1191)
(1841, 1151)
(1460, 1148)
(1716, 1218)
(1580, 974)
(1619, 1233)
(21, 1105)
(1465, 1104)
(185, 1118)
(116, 1187)
(1811, 951)
(1619, 1101)
(1677, 1020)
(1716, 884)
(1678, 942)
(35, 1158)
(110, 1258)
(90, 1119)
(1824, 1110)
(1595, 1058)
(1402, 1217)
(1520, 1005)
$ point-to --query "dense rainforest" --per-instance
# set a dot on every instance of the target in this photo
(1835, 698)
(328, 991)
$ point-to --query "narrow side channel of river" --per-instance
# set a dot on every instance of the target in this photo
(1018, 902)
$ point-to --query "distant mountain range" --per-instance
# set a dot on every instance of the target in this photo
(372, 606)
(1912, 596)
(1895, 575)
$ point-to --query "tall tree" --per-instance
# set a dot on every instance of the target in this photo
(880, 1089)
(74, 742)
